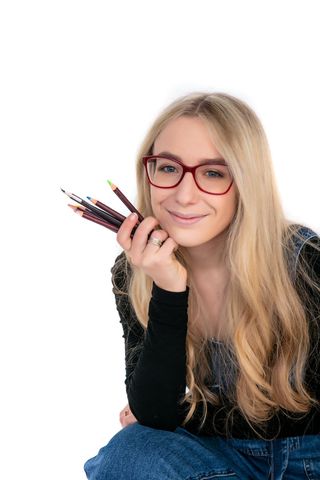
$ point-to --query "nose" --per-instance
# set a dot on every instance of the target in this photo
(187, 190)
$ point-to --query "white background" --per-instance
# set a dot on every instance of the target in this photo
(81, 82)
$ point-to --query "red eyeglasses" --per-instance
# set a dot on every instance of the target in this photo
(213, 178)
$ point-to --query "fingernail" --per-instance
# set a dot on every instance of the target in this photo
(133, 216)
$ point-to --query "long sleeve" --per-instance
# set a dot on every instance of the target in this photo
(159, 378)
(156, 357)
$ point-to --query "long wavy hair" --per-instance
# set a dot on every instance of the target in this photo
(265, 316)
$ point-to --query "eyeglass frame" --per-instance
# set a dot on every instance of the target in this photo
(185, 169)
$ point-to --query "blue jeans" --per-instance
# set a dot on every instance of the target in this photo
(143, 453)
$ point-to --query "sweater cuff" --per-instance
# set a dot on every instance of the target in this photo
(171, 298)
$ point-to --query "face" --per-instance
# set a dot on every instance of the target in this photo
(189, 139)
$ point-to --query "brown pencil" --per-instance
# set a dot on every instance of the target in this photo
(124, 199)
(85, 213)
(84, 209)
(81, 207)
(93, 218)
(107, 209)
(97, 211)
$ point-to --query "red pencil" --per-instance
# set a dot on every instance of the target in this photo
(97, 211)
(85, 213)
(107, 209)
(124, 199)
(93, 218)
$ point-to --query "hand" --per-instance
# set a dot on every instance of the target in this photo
(126, 417)
(159, 262)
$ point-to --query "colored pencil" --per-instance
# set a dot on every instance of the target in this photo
(83, 212)
(83, 209)
(100, 213)
(124, 199)
(107, 209)
(94, 218)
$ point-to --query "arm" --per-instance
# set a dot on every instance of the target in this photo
(155, 358)
(159, 378)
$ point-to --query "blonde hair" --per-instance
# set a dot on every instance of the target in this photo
(265, 318)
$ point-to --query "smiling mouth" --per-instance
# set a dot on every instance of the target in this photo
(189, 219)
(191, 216)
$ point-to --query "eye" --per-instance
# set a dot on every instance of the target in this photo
(213, 174)
(166, 168)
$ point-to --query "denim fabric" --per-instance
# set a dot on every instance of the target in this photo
(143, 453)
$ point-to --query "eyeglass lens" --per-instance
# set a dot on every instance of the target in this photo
(167, 173)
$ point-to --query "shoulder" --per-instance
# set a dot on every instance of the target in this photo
(121, 273)
(307, 269)
(307, 250)
(306, 240)
(302, 249)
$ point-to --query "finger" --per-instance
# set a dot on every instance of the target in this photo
(157, 238)
(128, 422)
(125, 231)
(168, 247)
(140, 237)
(122, 418)
(126, 410)
(128, 419)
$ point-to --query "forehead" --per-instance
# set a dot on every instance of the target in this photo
(187, 137)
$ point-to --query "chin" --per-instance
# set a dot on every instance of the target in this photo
(190, 244)
(187, 239)
(193, 238)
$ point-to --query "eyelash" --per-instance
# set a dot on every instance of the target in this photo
(218, 173)
(162, 168)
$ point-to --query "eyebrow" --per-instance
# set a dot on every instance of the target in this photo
(211, 161)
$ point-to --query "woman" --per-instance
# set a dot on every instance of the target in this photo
(218, 296)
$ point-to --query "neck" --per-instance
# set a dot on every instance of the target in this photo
(209, 256)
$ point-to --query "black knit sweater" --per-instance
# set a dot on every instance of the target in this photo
(156, 365)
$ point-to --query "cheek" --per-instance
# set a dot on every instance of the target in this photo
(157, 197)
(226, 207)
(154, 203)
(232, 206)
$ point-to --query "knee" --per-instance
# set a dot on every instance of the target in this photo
(129, 450)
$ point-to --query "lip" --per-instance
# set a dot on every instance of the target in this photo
(185, 219)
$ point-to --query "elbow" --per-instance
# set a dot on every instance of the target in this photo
(158, 422)
(160, 419)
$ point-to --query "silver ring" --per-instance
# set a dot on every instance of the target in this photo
(155, 241)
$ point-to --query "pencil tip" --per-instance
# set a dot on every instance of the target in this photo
(89, 198)
(112, 185)
(62, 190)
